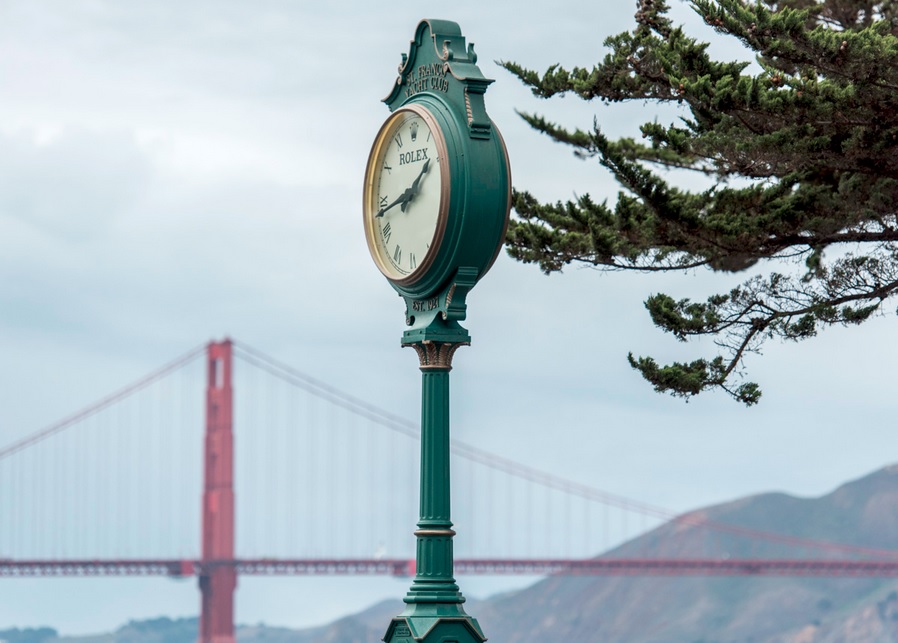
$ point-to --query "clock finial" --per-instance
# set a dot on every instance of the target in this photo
(448, 54)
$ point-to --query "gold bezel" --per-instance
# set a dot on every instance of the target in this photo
(372, 175)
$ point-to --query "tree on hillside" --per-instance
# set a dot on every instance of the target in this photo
(811, 134)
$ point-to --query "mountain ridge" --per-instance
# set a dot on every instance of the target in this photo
(861, 513)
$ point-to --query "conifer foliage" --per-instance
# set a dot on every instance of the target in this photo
(811, 132)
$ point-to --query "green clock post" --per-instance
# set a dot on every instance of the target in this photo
(436, 200)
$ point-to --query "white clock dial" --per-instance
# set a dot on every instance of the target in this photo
(405, 188)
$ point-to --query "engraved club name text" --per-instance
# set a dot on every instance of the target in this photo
(428, 77)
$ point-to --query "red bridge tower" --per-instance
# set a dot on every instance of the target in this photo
(217, 582)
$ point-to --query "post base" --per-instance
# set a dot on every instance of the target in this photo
(434, 623)
(420, 593)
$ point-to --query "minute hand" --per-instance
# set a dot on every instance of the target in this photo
(415, 185)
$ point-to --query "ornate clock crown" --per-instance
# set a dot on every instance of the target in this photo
(414, 130)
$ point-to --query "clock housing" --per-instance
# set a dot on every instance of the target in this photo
(439, 81)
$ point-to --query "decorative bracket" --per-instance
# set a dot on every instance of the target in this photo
(436, 318)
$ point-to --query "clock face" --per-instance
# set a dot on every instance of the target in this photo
(406, 188)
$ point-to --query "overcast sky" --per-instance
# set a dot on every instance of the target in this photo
(173, 172)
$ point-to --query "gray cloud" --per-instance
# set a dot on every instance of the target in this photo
(69, 185)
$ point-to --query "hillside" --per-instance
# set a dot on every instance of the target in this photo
(863, 512)
(761, 610)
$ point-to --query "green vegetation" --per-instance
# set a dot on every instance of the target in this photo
(800, 153)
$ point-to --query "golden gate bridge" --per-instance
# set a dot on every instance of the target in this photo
(324, 482)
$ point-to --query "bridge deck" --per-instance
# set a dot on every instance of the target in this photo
(402, 567)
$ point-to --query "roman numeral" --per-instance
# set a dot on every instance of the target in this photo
(383, 201)
(428, 135)
(388, 168)
(412, 262)
(386, 232)
(397, 255)
(399, 139)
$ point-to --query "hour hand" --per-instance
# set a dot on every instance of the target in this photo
(403, 199)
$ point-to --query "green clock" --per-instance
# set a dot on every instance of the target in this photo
(437, 187)
(436, 199)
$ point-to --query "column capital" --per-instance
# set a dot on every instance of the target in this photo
(436, 355)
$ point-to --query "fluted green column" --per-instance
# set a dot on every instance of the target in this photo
(434, 582)
(434, 612)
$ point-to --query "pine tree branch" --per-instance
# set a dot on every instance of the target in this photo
(814, 133)
(849, 293)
